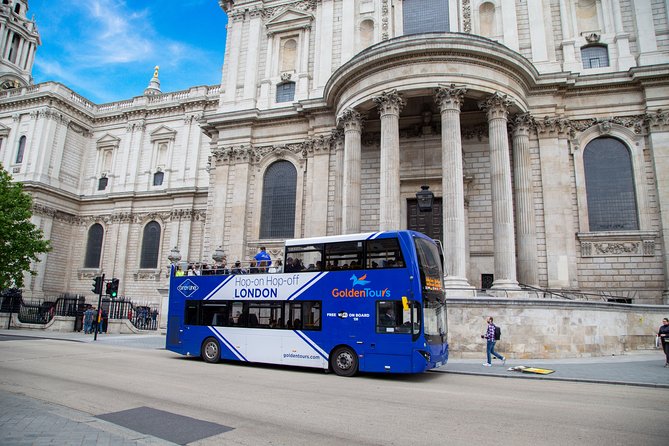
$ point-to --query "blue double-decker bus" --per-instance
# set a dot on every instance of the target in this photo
(370, 302)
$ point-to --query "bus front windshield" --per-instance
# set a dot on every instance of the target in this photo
(431, 278)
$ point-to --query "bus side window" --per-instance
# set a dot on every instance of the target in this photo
(190, 317)
(311, 313)
(304, 258)
(236, 313)
(343, 255)
(384, 253)
(391, 317)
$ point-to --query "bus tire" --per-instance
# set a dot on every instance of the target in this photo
(344, 361)
(211, 351)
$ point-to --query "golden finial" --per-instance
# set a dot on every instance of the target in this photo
(155, 73)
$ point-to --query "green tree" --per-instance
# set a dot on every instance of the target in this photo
(20, 240)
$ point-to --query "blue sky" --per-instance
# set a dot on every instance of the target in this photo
(106, 50)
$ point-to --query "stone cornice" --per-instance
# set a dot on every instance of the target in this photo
(119, 217)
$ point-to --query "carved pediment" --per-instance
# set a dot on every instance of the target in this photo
(108, 141)
(289, 19)
(163, 132)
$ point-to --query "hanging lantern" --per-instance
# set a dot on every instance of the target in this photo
(425, 198)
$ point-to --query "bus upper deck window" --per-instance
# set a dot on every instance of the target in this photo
(384, 253)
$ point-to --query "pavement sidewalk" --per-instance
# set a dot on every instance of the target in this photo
(645, 368)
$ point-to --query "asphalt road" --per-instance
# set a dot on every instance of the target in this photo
(168, 395)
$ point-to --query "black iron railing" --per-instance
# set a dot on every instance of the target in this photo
(41, 311)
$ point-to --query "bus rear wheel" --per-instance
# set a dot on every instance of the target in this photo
(211, 351)
(344, 361)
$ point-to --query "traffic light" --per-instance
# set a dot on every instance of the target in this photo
(113, 289)
(97, 285)
(108, 288)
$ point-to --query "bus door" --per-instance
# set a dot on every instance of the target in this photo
(397, 326)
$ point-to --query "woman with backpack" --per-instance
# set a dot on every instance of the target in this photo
(492, 335)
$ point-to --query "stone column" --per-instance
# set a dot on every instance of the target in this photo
(390, 104)
(524, 194)
(352, 122)
(497, 109)
(450, 101)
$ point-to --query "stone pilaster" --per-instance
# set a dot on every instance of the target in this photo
(390, 105)
(450, 101)
(497, 110)
(352, 122)
(658, 137)
(524, 194)
(553, 134)
(338, 137)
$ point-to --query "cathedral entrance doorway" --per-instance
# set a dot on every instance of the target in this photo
(429, 223)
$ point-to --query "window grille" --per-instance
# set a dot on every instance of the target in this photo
(94, 246)
(278, 201)
(595, 56)
(425, 16)
(285, 92)
(609, 182)
(150, 245)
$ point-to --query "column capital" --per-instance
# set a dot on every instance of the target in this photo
(389, 102)
(521, 124)
(450, 97)
(496, 106)
(351, 120)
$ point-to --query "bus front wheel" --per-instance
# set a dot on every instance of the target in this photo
(344, 361)
(211, 351)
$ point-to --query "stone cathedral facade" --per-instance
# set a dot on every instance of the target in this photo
(541, 127)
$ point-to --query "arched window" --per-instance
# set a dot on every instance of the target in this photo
(150, 245)
(425, 16)
(609, 183)
(17, 8)
(14, 48)
(102, 183)
(94, 246)
(277, 218)
(22, 148)
(158, 178)
(285, 92)
(595, 56)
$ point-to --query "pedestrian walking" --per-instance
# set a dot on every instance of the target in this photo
(89, 314)
(491, 336)
(663, 337)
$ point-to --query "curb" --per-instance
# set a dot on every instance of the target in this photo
(578, 380)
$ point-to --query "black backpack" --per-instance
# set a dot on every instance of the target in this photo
(498, 333)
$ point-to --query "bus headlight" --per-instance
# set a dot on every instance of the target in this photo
(425, 355)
